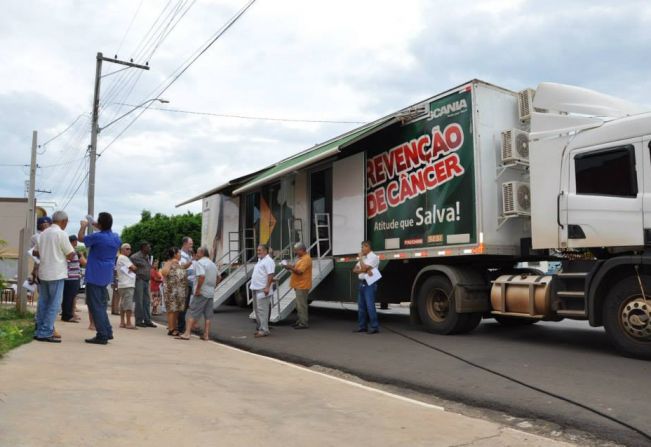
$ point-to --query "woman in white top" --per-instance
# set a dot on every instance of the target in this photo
(366, 314)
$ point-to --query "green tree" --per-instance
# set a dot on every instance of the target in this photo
(162, 231)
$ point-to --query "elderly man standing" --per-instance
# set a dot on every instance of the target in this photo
(187, 262)
(126, 285)
(301, 282)
(141, 295)
(261, 281)
(201, 302)
(54, 249)
(72, 283)
(103, 246)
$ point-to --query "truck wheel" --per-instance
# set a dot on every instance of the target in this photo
(627, 317)
(514, 321)
(437, 310)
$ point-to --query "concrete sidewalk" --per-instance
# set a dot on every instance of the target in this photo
(146, 388)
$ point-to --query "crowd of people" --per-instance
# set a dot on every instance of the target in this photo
(183, 287)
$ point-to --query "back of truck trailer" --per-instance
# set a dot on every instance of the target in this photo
(434, 180)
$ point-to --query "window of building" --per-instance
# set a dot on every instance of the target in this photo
(609, 172)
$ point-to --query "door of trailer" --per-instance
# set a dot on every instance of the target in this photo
(320, 203)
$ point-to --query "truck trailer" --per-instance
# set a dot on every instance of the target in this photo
(462, 195)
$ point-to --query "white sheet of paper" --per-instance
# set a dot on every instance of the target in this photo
(375, 277)
(31, 253)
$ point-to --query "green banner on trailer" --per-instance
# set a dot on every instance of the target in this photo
(420, 179)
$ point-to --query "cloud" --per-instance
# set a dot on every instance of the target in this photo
(337, 60)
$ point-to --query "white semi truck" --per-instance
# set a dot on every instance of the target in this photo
(456, 193)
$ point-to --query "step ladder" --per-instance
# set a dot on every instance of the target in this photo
(570, 300)
(233, 266)
(283, 301)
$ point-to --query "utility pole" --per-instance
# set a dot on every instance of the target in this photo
(95, 129)
(26, 233)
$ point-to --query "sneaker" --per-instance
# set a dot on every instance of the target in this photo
(150, 324)
(374, 331)
(360, 330)
(141, 325)
(301, 326)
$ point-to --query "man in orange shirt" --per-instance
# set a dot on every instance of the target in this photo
(301, 282)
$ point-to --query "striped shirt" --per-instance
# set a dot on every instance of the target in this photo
(74, 267)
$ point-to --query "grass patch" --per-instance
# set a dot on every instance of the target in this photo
(15, 328)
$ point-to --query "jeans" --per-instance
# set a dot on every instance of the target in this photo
(70, 290)
(97, 299)
(180, 324)
(143, 301)
(366, 306)
(49, 303)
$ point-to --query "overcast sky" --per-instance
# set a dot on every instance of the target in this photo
(352, 60)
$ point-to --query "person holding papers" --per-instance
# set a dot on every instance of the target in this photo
(368, 274)
(126, 271)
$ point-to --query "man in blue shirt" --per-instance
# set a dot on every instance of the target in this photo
(102, 247)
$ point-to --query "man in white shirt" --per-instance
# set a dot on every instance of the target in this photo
(188, 263)
(126, 285)
(366, 313)
(54, 249)
(201, 302)
(263, 276)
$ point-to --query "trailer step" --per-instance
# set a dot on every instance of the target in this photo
(572, 275)
(571, 313)
(570, 294)
(515, 314)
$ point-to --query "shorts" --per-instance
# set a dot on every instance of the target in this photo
(200, 306)
(126, 298)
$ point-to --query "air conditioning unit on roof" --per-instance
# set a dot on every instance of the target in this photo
(515, 146)
(525, 104)
(516, 199)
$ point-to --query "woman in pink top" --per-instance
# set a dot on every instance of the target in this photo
(155, 280)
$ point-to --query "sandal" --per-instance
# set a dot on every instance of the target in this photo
(181, 337)
(173, 333)
(131, 327)
(205, 338)
(122, 325)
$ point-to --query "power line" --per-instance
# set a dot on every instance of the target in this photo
(151, 44)
(249, 117)
(76, 190)
(61, 133)
(129, 27)
(184, 67)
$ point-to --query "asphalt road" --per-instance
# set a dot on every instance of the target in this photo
(569, 359)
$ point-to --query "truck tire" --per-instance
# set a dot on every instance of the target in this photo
(627, 316)
(437, 311)
(514, 321)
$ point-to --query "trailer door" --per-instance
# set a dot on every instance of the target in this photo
(604, 203)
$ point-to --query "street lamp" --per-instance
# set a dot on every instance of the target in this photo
(162, 101)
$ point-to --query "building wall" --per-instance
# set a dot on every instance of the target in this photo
(12, 220)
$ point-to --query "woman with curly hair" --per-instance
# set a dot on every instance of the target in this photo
(176, 286)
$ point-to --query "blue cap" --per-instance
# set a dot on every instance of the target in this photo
(41, 220)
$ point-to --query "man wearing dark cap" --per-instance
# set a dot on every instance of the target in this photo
(42, 223)
(103, 247)
(72, 283)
